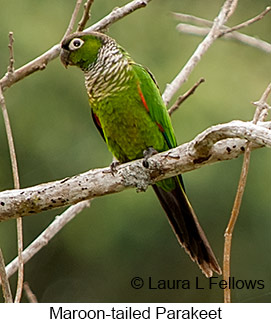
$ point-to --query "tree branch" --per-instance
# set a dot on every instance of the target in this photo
(4, 280)
(73, 18)
(117, 14)
(259, 115)
(86, 15)
(11, 54)
(43, 239)
(30, 295)
(15, 173)
(201, 151)
(242, 38)
(41, 62)
(225, 12)
(246, 23)
(227, 32)
(184, 96)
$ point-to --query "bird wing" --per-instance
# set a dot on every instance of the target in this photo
(153, 102)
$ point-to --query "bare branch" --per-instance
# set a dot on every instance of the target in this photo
(4, 280)
(262, 106)
(11, 54)
(183, 75)
(15, 173)
(260, 112)
(183, 97)
(98, 182)
(192, 19)
(86, 15)
(234, 215)
(43, 239)
(10, 141)
(41, 62)
(30, 295)
(246, 23)
(217, 30)
(242, 38)
(227, 33)
(37, 64)
(20, 247)
(73, 18)
(117, 14)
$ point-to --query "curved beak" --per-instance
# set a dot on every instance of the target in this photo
(64, 57)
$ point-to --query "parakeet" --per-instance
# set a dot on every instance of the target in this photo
(128, 110)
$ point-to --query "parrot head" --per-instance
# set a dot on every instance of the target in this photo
(81, 49)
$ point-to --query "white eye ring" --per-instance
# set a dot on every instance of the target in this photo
(76, 43)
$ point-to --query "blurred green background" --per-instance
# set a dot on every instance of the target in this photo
(94, 258)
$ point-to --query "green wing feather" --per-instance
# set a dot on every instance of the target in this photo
(156, 106)
(159, 114)
(171, 191)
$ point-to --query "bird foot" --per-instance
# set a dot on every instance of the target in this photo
(149, 152)
(113, 166)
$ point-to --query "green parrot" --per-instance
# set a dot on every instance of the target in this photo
(128, 110)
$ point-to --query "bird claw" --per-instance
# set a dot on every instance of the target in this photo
(113, 166)
(149, 152)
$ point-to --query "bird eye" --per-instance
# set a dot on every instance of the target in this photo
(76, 43)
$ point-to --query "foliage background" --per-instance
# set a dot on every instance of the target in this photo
(94, 258)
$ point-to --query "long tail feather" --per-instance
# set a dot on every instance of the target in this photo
(186, 226)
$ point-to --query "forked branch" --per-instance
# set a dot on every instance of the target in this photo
(41, 62)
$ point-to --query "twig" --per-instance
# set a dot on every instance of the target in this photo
(246, 23)
(234, 215)
(183, 75)
(11, 54)
(261, 105)
(117, 14)
(86, 15)
(73, 18)
(242, 38)
(99, 182)
(41, 62)
(183, 97)
(230, 34)
(16, 186)
(10, 141)
(4, 280)
(192, 19)
(30, 295)
(20, 247)
(15, 172)
(43, 239)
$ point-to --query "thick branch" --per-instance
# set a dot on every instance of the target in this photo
(206, 148)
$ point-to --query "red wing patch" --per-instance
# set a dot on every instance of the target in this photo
(160, 127)
(97, 121)
(147, 108)
(142, 98)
